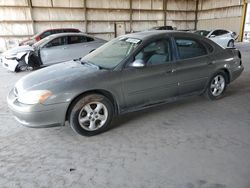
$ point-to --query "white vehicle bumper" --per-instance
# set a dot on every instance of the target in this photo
(9, 64)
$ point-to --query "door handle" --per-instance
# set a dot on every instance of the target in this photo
(170, 71)
(211, 62)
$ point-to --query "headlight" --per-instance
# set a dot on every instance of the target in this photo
(11, 56)
(18, 55)
(34, 97)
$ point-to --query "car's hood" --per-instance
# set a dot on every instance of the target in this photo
(18, 49)
(56, 76)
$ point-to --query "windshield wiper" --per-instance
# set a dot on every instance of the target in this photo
(90, 64)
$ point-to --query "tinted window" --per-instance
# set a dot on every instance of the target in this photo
(57, 42)
(223, 32)
(57, 31)
(189, 48)
(89, 39)
(155, 53)
(78, 39)
(202, 33)
(219, 32)
(45, 34)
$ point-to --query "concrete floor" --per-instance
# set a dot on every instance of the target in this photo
(194, 143)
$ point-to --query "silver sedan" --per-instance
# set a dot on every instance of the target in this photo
(129, 73)
(53, 49)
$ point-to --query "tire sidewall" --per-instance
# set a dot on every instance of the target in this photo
(79, 104)
(208, 90)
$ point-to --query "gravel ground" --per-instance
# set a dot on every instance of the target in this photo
(194, 143)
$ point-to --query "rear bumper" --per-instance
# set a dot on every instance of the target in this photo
(37, 115)
(236, 72)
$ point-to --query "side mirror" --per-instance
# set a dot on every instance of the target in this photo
(211, 36)
(138, 63)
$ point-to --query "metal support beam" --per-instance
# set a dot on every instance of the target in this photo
(165, 12)
(31, 15)
(130, 15)
(196, 14)
(85, 16)
(243, 18)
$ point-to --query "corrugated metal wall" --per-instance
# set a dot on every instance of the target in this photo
(22, 18)
(213, 14)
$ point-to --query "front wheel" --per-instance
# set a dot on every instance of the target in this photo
(91, 114)
(217, 86)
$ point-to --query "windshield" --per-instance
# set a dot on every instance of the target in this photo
(112, 53)
(202, 32)
(41, 42)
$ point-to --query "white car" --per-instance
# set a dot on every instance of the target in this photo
(222, 37)
(53, 49)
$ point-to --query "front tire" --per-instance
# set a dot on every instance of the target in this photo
(216, 86)
(91, 114)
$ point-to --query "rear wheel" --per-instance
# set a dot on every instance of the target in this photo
(217, 86)
(91, 114)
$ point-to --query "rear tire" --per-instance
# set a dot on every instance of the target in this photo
(216, 86)
(91, 114)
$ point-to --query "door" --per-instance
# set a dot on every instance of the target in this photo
(154, 82)
(55, 51)
(193, 67)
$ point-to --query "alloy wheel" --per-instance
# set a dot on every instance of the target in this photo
(217, 85)
(93, 116)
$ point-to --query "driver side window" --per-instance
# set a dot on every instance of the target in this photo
(155, 53)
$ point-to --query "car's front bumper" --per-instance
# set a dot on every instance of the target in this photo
(38, 115)
(9, 64)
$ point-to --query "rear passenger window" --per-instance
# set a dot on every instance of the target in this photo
(45, 34)
(89, 39)
(189, 48)
(78, 39)
(74, 39)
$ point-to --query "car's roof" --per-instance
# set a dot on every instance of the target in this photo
(68, 34)
(153, 33)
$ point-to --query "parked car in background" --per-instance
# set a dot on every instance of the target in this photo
(222, 37)
(43, 34)
(53, 49)
(167, 27)
(129, 73)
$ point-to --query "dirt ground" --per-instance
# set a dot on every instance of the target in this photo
(194, 143)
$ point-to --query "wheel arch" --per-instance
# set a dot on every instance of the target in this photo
(228, 79)
(103, 92)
